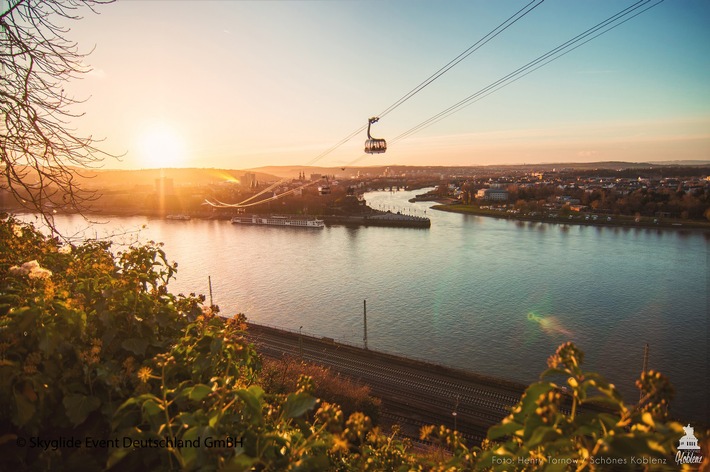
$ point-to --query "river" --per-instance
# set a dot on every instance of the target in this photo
(492, 296)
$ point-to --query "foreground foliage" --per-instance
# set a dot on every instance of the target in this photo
(282, 375)
(94, 349)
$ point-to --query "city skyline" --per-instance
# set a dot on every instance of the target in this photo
(250, 84)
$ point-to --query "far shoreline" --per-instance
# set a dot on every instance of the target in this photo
(618, 221)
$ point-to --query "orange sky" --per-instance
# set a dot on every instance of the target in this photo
(249, 84)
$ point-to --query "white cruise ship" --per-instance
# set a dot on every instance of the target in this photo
(291, 221)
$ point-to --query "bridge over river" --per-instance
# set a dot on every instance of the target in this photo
(413, 393)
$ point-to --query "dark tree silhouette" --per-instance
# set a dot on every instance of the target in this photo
(41, 156)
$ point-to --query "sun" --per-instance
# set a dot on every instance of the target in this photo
(160, 146)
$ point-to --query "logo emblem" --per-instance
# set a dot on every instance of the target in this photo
(687, 446)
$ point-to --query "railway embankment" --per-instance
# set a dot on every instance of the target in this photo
(414, 393)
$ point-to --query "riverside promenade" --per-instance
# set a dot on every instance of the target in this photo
(413, 393)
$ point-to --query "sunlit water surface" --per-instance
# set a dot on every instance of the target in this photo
(491, 296)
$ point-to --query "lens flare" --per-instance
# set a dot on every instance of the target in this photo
(225, 176)
(549, 324)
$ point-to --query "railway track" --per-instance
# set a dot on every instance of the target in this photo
(414, 394)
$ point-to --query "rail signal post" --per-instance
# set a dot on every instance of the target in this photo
(364, 316)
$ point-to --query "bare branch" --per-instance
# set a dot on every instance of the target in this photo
(40, 156)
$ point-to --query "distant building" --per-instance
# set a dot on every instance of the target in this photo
(493, 194)
(249, 180)
(568, 199)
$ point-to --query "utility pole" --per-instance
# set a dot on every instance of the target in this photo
(645, 359)
(645, 363)
(209, 280)
(455, 414)
(364, 314)
(300, 342)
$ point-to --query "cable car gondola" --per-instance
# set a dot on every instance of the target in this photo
(374, 145)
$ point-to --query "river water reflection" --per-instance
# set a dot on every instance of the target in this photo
(492, 296)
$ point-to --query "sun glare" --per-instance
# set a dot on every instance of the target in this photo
(160, 146)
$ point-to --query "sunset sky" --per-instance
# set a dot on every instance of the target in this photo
(238, 84)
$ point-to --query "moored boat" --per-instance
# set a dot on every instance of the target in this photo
(273, 220)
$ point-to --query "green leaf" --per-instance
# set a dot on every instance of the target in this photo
(25, 409)
(152, 408)
(591, 430)
(553, 371)
(485, 460)
(135, 345)
(189, 453)
(257, 391)
(630, 446)
(609, 421)
(604, 401)
(241, 462)
(78, 407)
(532, 393)
(297, 404)
(214, 419)
(504, 429)
(25, 317)
(532, 424)
(541, 435)
(252, 402)
(186, 419)
(124, 415)
(198, 392)
(127, 403)
(117, 455)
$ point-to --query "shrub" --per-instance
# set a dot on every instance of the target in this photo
(77, 322)
(281, 375)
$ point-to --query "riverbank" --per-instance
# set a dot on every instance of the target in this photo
(584, 219)
(376, 218)
(389, 219)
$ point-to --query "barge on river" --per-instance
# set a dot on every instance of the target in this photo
(273, 220)
(395, 220)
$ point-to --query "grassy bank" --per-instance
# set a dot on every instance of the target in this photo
(586, 219)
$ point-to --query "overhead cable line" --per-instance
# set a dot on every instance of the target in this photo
(537, 67)
(218, 204)
(531, 66)
(451, 64)
(473, 48)
(311, 162)
(552, 55)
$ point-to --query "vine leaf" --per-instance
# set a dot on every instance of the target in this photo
(297, 404)
(135, 345)
(78, 407)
